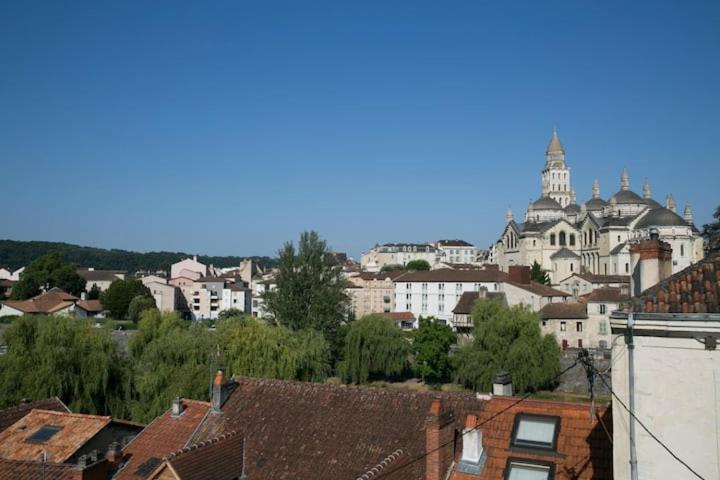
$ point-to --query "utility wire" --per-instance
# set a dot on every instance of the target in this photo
(589, 366)
(491, 418)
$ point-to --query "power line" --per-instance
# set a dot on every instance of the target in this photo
(589, 366)
(492, 417)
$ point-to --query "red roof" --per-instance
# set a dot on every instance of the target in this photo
(584, 448)
(220, 458)
(400, 316)
(13, 414)
(164, 435)
(48, 302)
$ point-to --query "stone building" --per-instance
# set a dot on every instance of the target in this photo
(594, 237)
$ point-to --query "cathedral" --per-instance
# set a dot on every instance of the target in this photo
(593, 237)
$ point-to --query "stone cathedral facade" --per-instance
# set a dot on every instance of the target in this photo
(593, 237)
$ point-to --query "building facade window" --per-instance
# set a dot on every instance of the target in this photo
(562, 239)
(603, 308)
(578, 326)
(552, 239)
(563, 326)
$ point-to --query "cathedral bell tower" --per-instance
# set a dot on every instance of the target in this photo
(556, 174)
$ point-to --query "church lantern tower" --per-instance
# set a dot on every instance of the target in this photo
(556, 174)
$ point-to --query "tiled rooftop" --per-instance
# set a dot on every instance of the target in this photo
(13, 414)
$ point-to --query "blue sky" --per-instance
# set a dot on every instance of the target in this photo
(229, 127)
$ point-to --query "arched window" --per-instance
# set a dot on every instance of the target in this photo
(552, 239)
(584, 238)
(572, 239)
(571, 266)
(627, 268)
(682, 250)
(562, 239)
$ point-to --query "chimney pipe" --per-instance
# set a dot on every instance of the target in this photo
(217, 391)
(650, 262)
(472, 448)
(502, 386)
(114, 454)
(177, 407)
(439, 434)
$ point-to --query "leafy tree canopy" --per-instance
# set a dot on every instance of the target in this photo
(63, 357)
(138, 305)
(310, 290)
(48, 271)
(538, 274)
(374, 345)
(94, 293)
(230, 313)
(392, 267)
(431, 348)
(116, 299)
(711, 232)
(507, 339)
(418, 265)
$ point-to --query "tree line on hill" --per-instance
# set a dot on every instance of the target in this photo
(312, 337)
(15, 254)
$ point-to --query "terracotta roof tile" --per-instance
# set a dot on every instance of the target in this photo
(606, 294)
(164, 435)
(48, 302)
(450, 275)
(90, 305)
(74, 431)
(564, 310)
(398, 316)
(13, 414)
(584, 450)
(220, 458)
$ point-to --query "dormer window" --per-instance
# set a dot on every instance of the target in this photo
(535, 432)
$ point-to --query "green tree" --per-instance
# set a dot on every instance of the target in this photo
(94, 293)
(507, 339)
(116, 299)
(169, 357)
(310, 290)
(63, 357)
(538, 274)
(254, 348)
(230, 313)
(138, 305)
(47, 272)
(711, 232)
(374, 345)
(392, 267)
(418, 265)
(431, 348)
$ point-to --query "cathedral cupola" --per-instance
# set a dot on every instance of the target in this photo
(647, 194)
(670, 204)
(687, 214)
(509, 215)
(596, 189)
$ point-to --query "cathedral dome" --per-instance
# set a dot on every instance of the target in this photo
(627, 196)
(595, 204)
(572, 208)
(661, 217)
(652, 203)
(546, 203)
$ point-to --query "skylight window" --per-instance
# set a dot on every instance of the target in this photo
(528, 470)
(535, 431)
(44, 434)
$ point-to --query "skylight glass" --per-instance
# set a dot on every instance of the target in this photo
(518, 470)
(43, 434)
(535, 431)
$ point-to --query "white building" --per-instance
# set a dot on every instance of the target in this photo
(168, 298)
(437, 292)
(397, 254)
(212, 295)
(102, 279)
(11, 275)
(566, 238)
(189, 268)
(456, 251)
(666, 368)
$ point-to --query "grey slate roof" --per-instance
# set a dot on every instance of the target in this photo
(595, 204)
(661, 217)
(627, 196)
(618, 248)
(546, 203)
(564, 253)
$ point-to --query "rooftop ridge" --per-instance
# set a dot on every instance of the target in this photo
(200, 445)
(70, 414)
(378, 469)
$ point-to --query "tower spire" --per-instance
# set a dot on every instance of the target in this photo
(670, 203)
(647, 194)
(625, 180)
(687, 214)
(596, 189)
(509, 215)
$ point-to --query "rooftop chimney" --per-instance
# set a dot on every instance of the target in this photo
(650, 262)
(472, 448)
(177, 407)
(83, 296)
(502, 386)
(439, 435)
(217, 391)
(114, 454)
(519, 274)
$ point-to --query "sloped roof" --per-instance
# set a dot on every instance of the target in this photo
(100, 275)
(166, 434)
(90, 305)
(220, 458)
(11, 415)
(555, 145)
(76, 430)
(595, 204)
(546, 203)
(454, 243)
(539, 289)
(34, 470)
(564, 252)
(297, 430)
(451, 275)
(584, 447)
(381, 276)
(661, 217)
(51, 301)
(568, 310)
(627, 196)
(467, 301)
(399, 316)
(606, 294)
(695, 289)
(618, 248)
(600, 279)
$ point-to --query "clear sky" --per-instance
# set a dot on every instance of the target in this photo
(229, 127)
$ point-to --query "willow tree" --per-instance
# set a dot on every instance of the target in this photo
(374, 345)
(507, 339)
(310, 289)
(63, 357)
(169, 357)
(253, 348)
